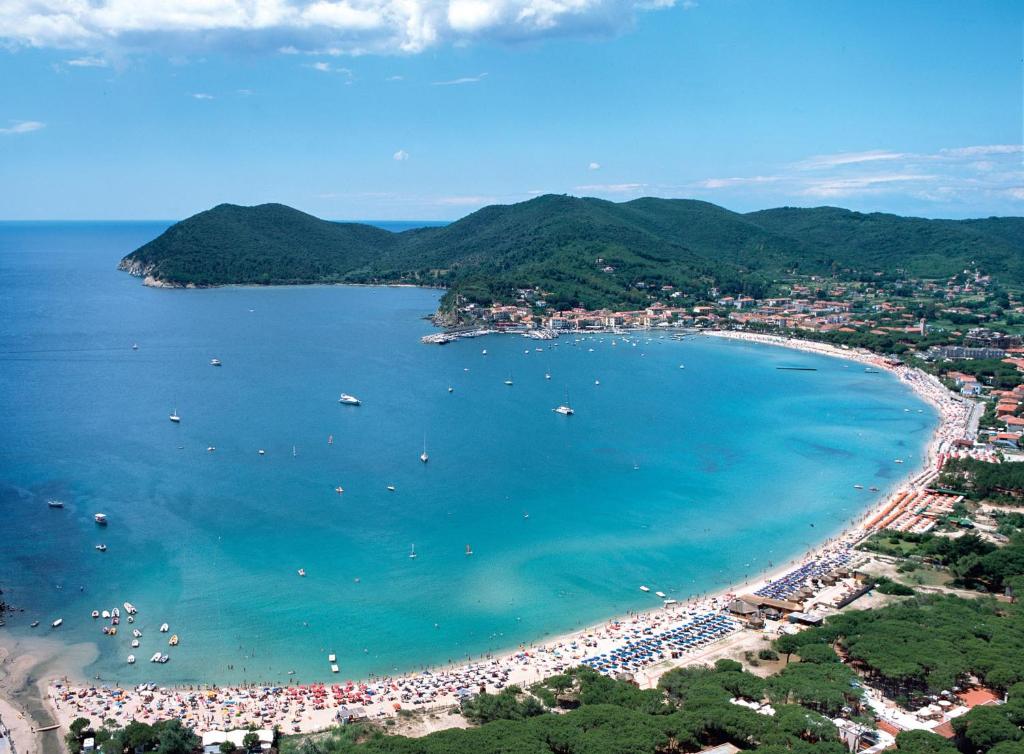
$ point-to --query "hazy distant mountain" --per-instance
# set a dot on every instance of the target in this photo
(555, 242)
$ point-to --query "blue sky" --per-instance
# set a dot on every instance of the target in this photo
(395, 109)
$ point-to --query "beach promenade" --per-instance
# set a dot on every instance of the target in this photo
(644, 644)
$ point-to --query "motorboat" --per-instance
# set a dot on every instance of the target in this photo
(101, 548)
(105, 614)
(55, 503)
(348, 400)
(335, 668)
(210, 448)
(135, 643)
(173, 641)
(508, 381)
(302, 571)
(130, 608)
(451, 389)
(660, 594)
(645, 589)
(100, 518)
(34, 624)
(95, 613)
(391, 488)
(136, 633)
(339, 489)
(164, 628)
(135, 346)
(57, 623)
(131, 659)
(163, 659)
(469, 550)
(214, 362)
(332, 658)
(155, 657)
(564, 410)
(262, 452)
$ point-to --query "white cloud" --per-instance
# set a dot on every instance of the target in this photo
(325, 67)
(328, 26)
(610, 188)
(463, 80)
(865, 184)
(847, 158)
(23, 127)
(988, 149)
(201, 95)
(461, 201)
(395, 78)
(400, 156)
(594, 166)
(717, 183)
(88, 62)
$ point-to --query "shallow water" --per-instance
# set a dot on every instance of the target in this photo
(682, 479)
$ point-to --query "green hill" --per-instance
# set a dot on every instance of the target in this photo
(554, 243)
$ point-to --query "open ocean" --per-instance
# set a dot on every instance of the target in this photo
(682, 479)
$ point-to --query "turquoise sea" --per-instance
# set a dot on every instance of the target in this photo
(684, 479)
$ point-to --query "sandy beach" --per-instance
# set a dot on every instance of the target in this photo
(39, 680)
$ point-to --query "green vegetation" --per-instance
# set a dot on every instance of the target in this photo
(690, 709)
(885, 585)
(554, 243)
(926, 644)
(980, 480)
(162, 737)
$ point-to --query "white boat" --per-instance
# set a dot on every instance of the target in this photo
(163, 659)
(302, 571)
(335, 668)
(155, 657)
(135, 346)
(339, 489)
(100, 518)
(645, 589)
(469, 550)
(348, 400)
(295, 452)
(130, 608)
(412, 552)
(564, 410)
(135, 643)
(55, 503)
(101, 548)
(330, 439)
(164, 628)
(509, 380)
(131, 659)
(451, 389)
(547, 375)
(174, 416)
(484, 352)
(332, 658)
(210, 448)
(262, 452)
(136, 633)
(597, 382)
(95, 613)
(214, 362)
(898, 460)
(56, 623)
(105, 614)
(660, 594)
(391, 488)
(423, 456)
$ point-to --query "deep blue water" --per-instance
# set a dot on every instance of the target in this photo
(682, 479)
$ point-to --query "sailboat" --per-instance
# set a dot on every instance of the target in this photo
(330, 439)
(412, 552)
(565, 409)
(174, 416)
(509, 380)
(423, 456)
(295, 451)
(469, 550)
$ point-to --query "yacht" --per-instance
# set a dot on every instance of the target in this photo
(469, 550)
(509, 380)
(858, 486)
(101, 548)
(564, 410)
(348, 400)
(55, 503)
(339, 489)
(214, 362)
(100, 518)
(391, 488)
(262, 452)
(174, 416)
(412, 552)
(34, 624)
(56, 623)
